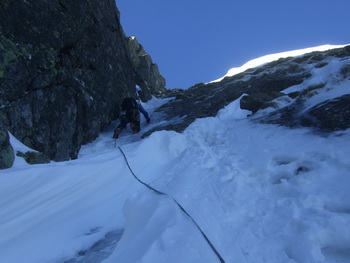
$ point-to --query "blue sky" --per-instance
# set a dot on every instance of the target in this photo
(197, 41)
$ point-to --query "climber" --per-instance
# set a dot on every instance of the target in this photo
(131, 108)
(129, 114)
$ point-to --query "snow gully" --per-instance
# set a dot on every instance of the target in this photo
(182, 209)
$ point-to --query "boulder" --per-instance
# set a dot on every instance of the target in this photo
(7, 156)
(33, 157)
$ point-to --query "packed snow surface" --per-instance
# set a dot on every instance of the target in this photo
(260, 193)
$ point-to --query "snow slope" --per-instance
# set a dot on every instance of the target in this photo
(261, 193)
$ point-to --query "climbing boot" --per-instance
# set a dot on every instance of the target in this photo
(116, 133)
(134, 128)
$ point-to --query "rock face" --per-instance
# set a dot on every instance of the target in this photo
(317, 103)
(267, 96)
(332, 115)
(65, 66)
(6, 151)
(147, 73)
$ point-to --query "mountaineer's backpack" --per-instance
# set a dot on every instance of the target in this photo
(129, 104)
(131, 108)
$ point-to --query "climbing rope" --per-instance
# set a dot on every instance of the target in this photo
(182, 209)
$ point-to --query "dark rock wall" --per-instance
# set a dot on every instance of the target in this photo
(64, 68)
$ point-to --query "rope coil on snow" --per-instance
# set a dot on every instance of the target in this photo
(182, 209)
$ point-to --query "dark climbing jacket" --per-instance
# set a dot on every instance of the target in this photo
(129, 103)
(131, 108)
(129, 114)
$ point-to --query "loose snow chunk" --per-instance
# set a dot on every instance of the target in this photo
(157, 231)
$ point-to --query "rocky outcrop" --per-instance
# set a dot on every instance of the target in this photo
(33, 157)
(327, 114)
(147, 73)
(64, 68)
(264, 88)
(332, 115)
(7, 156)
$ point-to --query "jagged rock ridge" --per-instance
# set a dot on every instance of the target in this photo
(263, 88)
(147, 73)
